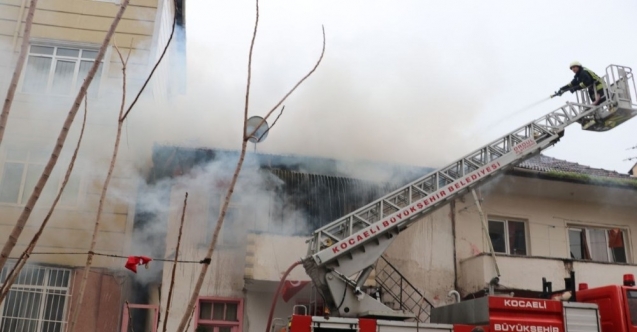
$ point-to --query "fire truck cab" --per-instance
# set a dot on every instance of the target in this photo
(617, 304)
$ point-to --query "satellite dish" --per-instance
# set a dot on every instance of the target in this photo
(261, 133)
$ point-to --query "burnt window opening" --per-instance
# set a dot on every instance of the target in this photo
(180, 20)
(598, 244)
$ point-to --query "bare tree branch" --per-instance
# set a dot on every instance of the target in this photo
(273, 123)
(172, 278)
(100, 207)
(293, 88)
(13, 86)
(26, 212)
(235, 176)
(172, 32)
(10, 279)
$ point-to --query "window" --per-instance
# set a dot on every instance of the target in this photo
(37, 300)
(219, 315)
(59, 70)
(597, 244)
(231, 231)
(22, 170)
(508, 236)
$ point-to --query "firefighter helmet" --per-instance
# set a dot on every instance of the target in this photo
(574, 63)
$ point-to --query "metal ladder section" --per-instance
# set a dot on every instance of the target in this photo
(342, 253)
(400, 294)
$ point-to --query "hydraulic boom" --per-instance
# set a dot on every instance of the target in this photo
(342, 254)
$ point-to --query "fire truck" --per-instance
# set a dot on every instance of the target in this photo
(342, 255)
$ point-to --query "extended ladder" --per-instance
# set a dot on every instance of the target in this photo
(342, 254)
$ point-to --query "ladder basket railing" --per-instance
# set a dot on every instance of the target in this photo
(619, 87)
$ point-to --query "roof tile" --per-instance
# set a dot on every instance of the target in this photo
(542, 163)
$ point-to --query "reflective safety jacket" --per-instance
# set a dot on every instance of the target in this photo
(583, 79)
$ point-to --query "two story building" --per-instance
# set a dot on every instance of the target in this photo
(546, 218)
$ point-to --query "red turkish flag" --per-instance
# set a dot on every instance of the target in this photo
(134, 261)
(291, 288)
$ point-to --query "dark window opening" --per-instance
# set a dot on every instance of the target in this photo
(508, 237)
(597, 244)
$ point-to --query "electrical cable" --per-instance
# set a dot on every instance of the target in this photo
(203, 261)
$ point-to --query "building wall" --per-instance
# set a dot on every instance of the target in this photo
(35, 122)
(547, 208)
(85, 21)
(424, 255)
(103, 300)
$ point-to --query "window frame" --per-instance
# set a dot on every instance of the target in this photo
(65, 44)
(238, 326)
(63, 159)
(609, 251)
(507, 240)
(44, 290)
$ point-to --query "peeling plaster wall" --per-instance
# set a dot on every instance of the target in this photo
(424, 255)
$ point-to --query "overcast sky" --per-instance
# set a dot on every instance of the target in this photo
(416, 82)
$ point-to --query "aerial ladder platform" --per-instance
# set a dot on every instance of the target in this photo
(342, 254)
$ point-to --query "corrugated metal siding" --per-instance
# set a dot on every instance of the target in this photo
(321, 197)
(326, 198)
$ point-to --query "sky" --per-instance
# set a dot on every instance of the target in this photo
(409, 82)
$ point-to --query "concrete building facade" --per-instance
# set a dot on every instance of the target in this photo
(65, 38)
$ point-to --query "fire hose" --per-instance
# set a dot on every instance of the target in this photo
(277, 292)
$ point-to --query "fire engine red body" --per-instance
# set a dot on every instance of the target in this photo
(617, 304)
(612, 309)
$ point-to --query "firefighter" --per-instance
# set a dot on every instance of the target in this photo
(585, 79)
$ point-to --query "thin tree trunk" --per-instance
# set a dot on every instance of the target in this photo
(100, 207)
(13, 86)
(170, 38)
(235, 176)
(172, 278)
(26, 212)
(25, 255)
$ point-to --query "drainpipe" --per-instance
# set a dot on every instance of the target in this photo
(16, 32)
(486, 232)
(452, 206)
